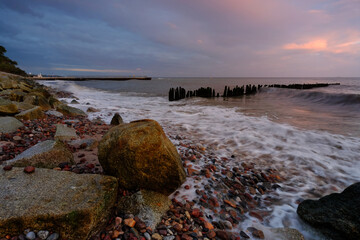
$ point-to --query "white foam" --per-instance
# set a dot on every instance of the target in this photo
(314, 163)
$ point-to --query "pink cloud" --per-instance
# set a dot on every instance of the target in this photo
(314, 45)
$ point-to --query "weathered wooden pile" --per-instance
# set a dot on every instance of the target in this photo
(180, 93)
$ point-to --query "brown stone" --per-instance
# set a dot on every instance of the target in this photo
(29, 169)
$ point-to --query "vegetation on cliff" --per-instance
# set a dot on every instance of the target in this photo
(8, 65)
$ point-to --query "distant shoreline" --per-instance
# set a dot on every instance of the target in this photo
(90, 78)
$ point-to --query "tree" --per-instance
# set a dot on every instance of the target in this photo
(8, 65)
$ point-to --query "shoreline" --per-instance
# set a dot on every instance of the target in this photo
(211, 214)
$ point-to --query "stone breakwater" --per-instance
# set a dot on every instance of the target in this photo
(213, 203)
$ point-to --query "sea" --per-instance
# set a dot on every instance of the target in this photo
(311, 137)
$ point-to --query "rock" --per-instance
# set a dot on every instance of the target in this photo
(70, 111)
(47, 154)
(65, 133)
(9, 124)
(258, 234)
(43, 234)
(30, 236)
(141, 156)
(74, 102)
(29, 169)
(91, 109)
(116, 120)
(31, 114)
(129, 222)
(73, 205)
(7, 107)
(147, 236)
(7, 167)
(22, 106)
(37, 99)
(147, 205)
(156, 236)
(336, 215)
(53, 236)
(54, 113)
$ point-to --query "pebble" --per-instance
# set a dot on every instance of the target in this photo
(169, 238)
(29, 169)
(258, 234)
(53, 236)
(156, 236)
(7, 168)
(243, 234)
(129, 222)
(147, 236)
(43, 234)
(30, 235)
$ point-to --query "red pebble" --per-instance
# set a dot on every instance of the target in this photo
(29, 169)
(7, 168)
(91, 166)
(195, 212)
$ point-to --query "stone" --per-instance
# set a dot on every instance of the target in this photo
(147, 205)
(43, 234)
(65, 133)
(54, 113)
(7, 107)
(22, 106)
(91, 109)
(70, 111)
(53, 236)
(141, 156)
(156, 236)
(30, 236)
(116, 120)
(89, 143)
(9, 124)
(147, 236)
(7, 167)
(33, 113)
(74, 102)
(335, 215)
(73, 205)
(47, 154)
(29, 169)
(258, 234)
(130, 222)
(37, 99)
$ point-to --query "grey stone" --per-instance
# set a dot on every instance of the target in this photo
(47, 154)
(73, 205)
(147, 236)
(30, 236)
(54, 113)
(43, 234)
(9, 124)
(53, 236)
(65, 133)
(169, 238)
(147, 205)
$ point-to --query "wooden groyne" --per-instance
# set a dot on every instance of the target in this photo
(208, 92)
(91, 78)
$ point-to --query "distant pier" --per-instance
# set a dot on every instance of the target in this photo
(91, 78)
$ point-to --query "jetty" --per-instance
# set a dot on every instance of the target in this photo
(179, 93)
(90, 78)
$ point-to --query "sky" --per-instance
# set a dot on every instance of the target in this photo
(182, 38)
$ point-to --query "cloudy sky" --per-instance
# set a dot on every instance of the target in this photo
(233, 38)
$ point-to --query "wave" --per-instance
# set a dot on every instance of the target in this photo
(327, 98)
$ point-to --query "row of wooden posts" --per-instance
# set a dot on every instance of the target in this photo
(180, 93)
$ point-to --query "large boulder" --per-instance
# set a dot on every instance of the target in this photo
(37, 99)
(22, 106)
(7, 107)
(9, 124)
(47, 154)
(147, 205)
(70, 111)
(74, 205)
(33, 113)
(336, 215)
(141, 156)
(116, 120)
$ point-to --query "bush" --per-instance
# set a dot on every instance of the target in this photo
(8, 65)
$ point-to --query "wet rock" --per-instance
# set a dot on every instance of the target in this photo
(74, 205)
(244, 235)
(336, 215)
(70, 111)
(116, 120)
(74, 102)
(286, 234)
(147, 205)
(9, 124)
(258, 234)
(33, 113)
(7, 107)
(91, 109)
(65, 133)
(141, 156)
(47, 154)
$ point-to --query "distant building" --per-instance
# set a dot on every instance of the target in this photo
(39, 75)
